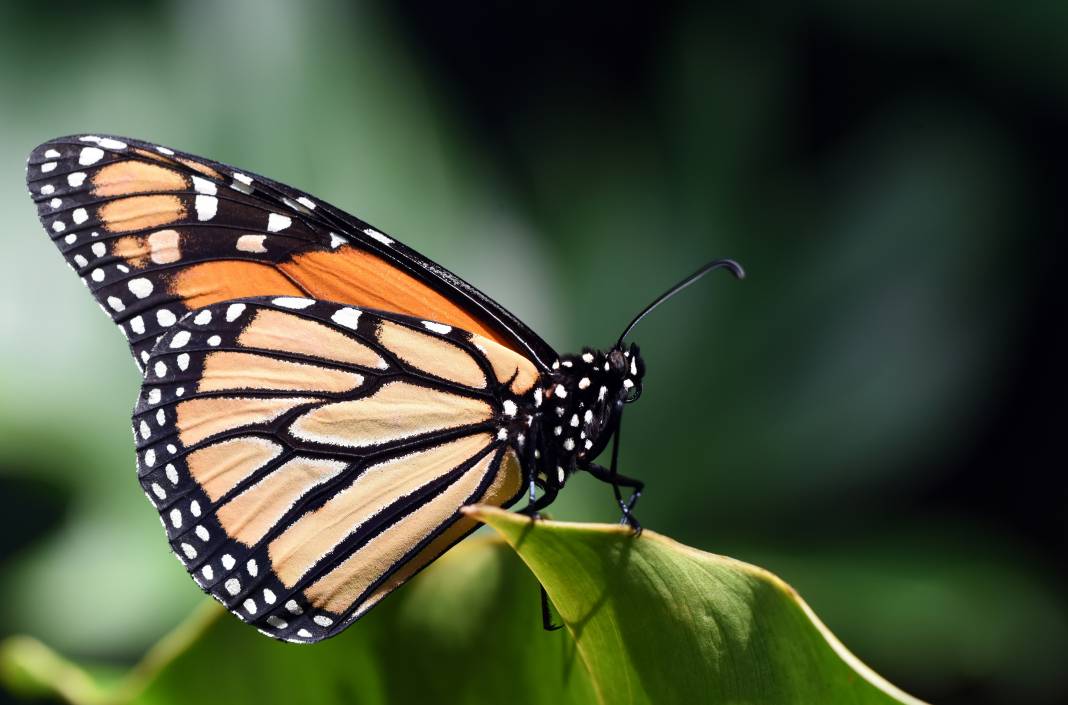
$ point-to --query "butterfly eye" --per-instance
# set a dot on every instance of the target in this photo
(633, 394)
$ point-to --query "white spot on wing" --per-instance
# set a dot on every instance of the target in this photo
(437, 327)
(375, 235)
(292, 302)
(251, 243)
(75, 180)
(165, 318)
(277, 222)
(206, 207)
(348, 317)
(49, 166)
(140, 287)
(88, 155)
(242, 183)
(180, 339)
(202, 185)
(233, 311)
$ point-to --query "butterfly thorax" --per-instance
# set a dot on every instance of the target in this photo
(581, 399)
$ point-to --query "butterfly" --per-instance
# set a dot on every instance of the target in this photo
(318, 401)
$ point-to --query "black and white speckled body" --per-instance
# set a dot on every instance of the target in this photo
(577, 406)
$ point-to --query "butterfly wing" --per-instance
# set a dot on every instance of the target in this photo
(155, 233)
(306, 457)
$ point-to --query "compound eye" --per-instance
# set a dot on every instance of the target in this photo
(633, 394)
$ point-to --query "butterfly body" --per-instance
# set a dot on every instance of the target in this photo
(583, 398)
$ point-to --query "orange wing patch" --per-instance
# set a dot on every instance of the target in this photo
(352, 276)
(316, 533)
(219, 468)
(341, 587)
(507, 482)
(287, 333)
(127, 177)
(238, 370)
(396, 411)
(204, 417)
(250, 515)
(211, 282)
(431, 354)
(140, 212)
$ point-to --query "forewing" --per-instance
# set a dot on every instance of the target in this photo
(155, 233)
(308, 457)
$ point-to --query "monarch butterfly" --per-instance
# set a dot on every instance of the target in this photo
(318, 400)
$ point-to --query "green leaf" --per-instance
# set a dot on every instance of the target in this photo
(658, 622)
(648, 620)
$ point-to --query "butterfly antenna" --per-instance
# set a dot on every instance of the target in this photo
(734, 267)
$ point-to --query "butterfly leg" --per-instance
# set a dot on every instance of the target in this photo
(546, 613)
(536, 505)
(532, 510)
(612, 477)
(617, 481)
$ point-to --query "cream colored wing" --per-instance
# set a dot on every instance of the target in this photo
(308, 457)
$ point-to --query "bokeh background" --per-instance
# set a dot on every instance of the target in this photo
(875, 414)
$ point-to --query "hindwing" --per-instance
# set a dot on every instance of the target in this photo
(307, 457)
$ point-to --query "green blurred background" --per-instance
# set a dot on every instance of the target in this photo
(874, 414)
